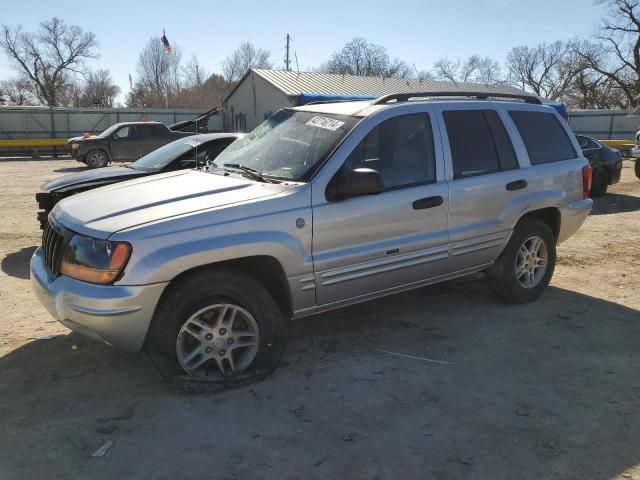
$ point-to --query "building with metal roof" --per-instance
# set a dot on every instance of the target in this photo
(262, 92)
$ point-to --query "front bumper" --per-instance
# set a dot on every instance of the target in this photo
(114, 314)
(572, 216)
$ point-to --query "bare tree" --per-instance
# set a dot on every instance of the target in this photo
(49, 57)
(194, 73)
(99, 90)
(159, 76)
(398, 68)
(473, 69)
(244, 58)
(359, 57)
(548, 70)
(16, 92)
(615, 53)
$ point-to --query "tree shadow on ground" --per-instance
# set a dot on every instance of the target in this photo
(16, 264)
(545, 390)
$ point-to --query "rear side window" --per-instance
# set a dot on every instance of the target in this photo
(479, 143)
(543, 136)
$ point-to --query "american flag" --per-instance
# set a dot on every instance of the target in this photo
(165, 42)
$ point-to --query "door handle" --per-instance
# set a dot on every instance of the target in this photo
(428, 202)
(517, 185)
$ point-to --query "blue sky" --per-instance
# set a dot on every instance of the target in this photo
(420, 32)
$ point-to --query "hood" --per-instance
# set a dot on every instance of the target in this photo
(106, 210)
(77, 139)
(98, 176)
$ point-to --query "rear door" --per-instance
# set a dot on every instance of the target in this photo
(367, 245)
(484, 178)
(124, 144)
(151, 136)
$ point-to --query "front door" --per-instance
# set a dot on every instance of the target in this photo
(367, 245)
(125, 144)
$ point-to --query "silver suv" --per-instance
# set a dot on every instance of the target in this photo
(320, 207)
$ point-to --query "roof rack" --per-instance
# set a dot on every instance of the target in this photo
(404, 97)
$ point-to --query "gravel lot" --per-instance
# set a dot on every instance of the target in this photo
(549, 390)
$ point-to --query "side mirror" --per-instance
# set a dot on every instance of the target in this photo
(360, 181)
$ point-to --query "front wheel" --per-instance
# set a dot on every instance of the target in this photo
(97, 159)
(219, 325)
(525, 267)
(637, 168)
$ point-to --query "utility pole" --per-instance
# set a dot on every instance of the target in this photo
(287, 61)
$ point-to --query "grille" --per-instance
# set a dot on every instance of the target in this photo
(53, 243)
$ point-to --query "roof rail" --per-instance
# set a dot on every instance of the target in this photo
(322, 102)
(404, 97)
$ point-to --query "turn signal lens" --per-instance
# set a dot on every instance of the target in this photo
(95, 261)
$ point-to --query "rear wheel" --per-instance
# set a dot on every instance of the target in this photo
(97, 159)
(217, 325)
(600, 182)
(637, 168)
(525, 267)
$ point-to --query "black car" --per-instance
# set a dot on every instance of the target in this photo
(188, 152)
(605, 161)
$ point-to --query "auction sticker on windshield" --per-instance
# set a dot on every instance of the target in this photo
(325, 122)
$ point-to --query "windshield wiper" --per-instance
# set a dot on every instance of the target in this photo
(253, 173)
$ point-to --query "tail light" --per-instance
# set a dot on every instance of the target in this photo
(587, 175)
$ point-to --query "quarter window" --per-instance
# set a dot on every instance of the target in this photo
(544, 137)
(400, 149)
(479, 143)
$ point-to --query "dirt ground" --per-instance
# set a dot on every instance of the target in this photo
(549, 390)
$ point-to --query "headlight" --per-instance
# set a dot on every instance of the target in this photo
(95, 261)
(75, 146)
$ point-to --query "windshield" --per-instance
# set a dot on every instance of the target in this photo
(161, 157)
(110, 130)
(289, 143)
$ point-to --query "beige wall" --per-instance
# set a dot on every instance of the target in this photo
(254, 97)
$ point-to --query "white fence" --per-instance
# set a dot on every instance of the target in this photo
(42, 122)
(605, 124)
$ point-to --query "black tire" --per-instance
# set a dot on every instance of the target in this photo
(600, 183)
(210, 287)
(637, 168)
(502, 274)
(96, 159)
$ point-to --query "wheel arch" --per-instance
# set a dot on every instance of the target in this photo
(548, 215)
(264, 268)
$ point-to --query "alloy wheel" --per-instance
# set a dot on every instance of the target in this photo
(217, 341)
(531, 262)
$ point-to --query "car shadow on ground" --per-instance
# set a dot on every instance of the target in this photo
(16, 264)
(71, 169)
(546, 390)
(615, 203)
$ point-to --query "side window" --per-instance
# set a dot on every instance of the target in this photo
(214, 148)
(123, 132)
(400, 149)
(582, 141)
(543, 136)
(157, 131)
(479, 143)
(592, 144)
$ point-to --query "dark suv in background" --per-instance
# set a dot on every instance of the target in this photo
(122, 142)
